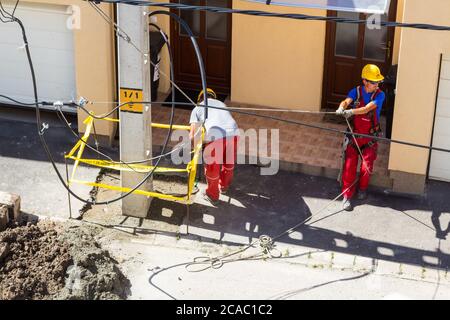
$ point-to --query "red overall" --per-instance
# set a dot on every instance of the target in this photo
(364, 124)
(219, 157)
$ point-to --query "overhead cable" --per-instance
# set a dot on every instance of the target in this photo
(42, 127)
(314, 126)
(296, 16)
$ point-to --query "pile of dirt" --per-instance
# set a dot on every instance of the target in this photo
(94, 275)
(33, 262)
(54, 261)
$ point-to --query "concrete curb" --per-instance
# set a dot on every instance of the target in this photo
(313, 258)
(317, 259)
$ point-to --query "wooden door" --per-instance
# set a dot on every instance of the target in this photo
(213, 34)
(349, 47)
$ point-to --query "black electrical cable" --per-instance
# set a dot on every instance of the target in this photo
(308, 125)
(237, 111)
(59, 111)
(20, 102)
(123, 35)
(8, 16)
(38, 115)
(44, 103)
(15, 7)
(360, 135)
(39, 123)
(48, 103)
(246, 113)
(273, 14)
(64, 120)
(200, 61)
(196, 48)
(172, 74)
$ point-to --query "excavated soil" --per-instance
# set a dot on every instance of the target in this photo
(33, 262)
(54, 261)
(94, 275)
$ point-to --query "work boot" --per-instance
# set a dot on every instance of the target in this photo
(346, 204)
(209, 199)
(362, 195)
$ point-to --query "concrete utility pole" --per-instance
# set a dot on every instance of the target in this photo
(135, 120)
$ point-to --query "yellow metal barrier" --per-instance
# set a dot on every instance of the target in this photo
(191, 168)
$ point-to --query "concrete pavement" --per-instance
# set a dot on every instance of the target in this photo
(26, 170)
(400, 240)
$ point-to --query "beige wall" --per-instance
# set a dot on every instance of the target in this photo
(94, 61)
(419, 60)
(95, 64)
(277, 62)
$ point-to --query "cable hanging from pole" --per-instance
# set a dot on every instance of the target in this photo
(37, 103)
(231, 108)
(42, 127)
(313, 126)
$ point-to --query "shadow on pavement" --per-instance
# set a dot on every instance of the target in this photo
(271, 205)
(19, 137)
(387, 227)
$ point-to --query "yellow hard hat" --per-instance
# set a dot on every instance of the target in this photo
(372, 73)
(209, 91)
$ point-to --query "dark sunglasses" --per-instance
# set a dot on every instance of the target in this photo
(375, 82)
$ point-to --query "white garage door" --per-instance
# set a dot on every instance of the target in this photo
(440, 161)
(52, 50)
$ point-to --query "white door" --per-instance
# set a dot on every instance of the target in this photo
(52, 50)
(440, 161)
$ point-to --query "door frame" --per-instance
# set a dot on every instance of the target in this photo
(224, 89)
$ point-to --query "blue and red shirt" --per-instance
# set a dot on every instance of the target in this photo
(379, 99)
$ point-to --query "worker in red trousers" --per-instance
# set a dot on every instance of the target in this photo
(362, 107)
(221, 138)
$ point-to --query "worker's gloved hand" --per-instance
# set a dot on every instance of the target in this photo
(340, 111)
(347, 113)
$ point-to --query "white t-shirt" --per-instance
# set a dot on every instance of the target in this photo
(220, 124)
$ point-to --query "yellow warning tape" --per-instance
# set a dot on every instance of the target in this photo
(111, 119)
(125, 167)
(192, 168)
(156, 125)
(140, 192)
(167, 126)
(82, 144)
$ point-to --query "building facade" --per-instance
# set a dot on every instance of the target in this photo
(271, 62)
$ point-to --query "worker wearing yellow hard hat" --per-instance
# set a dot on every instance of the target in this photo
(362, 107)
(210, 93)
(221, 138)
(372, 73)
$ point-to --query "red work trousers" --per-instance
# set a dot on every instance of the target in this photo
(351, 163)
(219, 157)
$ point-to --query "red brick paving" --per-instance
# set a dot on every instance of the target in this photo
(298, 144)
